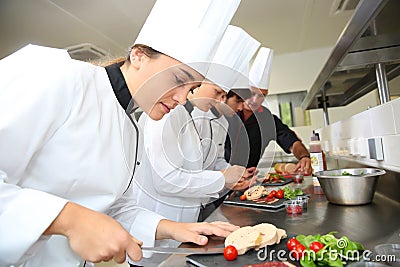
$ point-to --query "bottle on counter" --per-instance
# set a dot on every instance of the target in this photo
(318, 160)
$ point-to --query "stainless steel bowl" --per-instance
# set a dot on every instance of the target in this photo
(349, 186)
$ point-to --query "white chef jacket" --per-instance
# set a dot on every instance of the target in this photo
(213, 130)
(170, 179)
(63, 137)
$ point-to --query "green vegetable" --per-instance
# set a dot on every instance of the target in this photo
(335, 253)
(346, 173)
(291, 193)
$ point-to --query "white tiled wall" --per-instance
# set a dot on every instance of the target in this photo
(396, 113)
(382, 120)
(349, 137)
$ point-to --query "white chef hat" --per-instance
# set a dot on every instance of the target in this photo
(242, 82)
(260, 71)
(234, 52)
(188, 30)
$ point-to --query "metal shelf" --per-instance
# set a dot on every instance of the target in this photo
(350, 70)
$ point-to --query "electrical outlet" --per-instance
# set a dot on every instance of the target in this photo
(375, 148)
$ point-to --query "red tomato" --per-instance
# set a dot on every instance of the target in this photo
(271, 196)
(243, 197)
(280, 194)
(294, 209)
(316, 246)
(291, 243)
(230, 253)
(273, 192)
(298, 251)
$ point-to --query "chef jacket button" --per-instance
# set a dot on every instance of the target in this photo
(138, 163)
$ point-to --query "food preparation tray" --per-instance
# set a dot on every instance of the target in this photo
(235, 200)
(218, 260)
(281, 182)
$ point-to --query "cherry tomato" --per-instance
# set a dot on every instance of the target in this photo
(316, 246)
(280, 193)
(298, 251)
(291, 243)
(295, 209)
(271, 196)
(230, 253)
(243, 197)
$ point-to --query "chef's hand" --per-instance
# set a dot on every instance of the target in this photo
(193, 232)
(304, 166)
(233, 175)
(95, 236)
(250, 172)
(245, 184)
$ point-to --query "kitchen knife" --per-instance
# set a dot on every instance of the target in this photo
(162, 250)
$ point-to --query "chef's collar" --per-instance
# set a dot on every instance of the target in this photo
(119, 86)
(215, 112)
(188, 106)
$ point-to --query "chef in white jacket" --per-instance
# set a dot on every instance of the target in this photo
(219, 126)
(172, 179)
(69, 146)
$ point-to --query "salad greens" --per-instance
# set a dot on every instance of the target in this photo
(334, 253)
(345, 173)
(291, 193)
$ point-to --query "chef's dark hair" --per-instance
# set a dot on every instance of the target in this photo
(147, 50)
(241, 94)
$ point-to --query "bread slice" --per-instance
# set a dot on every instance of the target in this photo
(243, 239)
(289, 168)
(279, 167)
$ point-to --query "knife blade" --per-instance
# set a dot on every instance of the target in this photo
(163, 250)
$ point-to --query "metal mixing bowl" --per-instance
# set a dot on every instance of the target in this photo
(349, 186)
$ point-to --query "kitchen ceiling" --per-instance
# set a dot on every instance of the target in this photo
(287, 26)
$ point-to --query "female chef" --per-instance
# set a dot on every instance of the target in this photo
(172, 179)
(69, 146)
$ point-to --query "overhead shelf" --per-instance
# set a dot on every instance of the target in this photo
(350, 72)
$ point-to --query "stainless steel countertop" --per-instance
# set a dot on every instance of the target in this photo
(372, 224)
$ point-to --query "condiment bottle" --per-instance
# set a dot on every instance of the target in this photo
(318, 160)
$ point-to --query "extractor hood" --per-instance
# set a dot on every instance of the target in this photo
(372, 36)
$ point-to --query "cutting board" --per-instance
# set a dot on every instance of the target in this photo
(251, 257)
(235, 200)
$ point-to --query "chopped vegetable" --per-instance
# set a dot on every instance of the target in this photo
(326, 250)
(291, 193)
(345, 173)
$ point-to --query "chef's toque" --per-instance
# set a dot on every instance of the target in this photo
(242, 82)
(260, 71)
(188, 30)
(234, 52)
